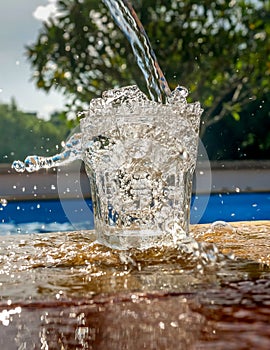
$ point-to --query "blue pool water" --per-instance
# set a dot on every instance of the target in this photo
(54, 215)
(233, 207)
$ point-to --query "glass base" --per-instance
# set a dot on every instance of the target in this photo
(139, 239)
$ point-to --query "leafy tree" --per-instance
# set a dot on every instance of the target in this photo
(23, 134)
(246, 137)
(219, 49)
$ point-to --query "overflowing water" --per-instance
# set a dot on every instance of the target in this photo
(72, 149)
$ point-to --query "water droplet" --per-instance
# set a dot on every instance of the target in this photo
(161, 325)
(3, 202)
(183, 91)
(178, 95)
(18, 166)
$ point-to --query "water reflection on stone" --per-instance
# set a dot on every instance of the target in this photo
(65, 291)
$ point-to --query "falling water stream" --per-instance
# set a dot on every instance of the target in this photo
(128, 21)
(66, 291)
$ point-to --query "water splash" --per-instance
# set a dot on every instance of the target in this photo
(72, 151)
(122, 100)
(3, 202)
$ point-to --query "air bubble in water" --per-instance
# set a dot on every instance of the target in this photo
(221, 226)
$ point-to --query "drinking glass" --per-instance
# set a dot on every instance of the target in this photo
(140, 158)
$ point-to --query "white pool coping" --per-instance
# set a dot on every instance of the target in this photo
(223, 177)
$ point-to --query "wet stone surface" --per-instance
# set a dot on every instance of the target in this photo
(66, 291)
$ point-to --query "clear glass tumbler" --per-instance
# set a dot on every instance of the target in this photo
(140, 157)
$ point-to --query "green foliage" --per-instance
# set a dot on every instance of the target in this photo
(219, 49)
(245, 138)
(23, 134)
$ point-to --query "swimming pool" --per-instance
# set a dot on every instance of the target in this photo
(42, 216)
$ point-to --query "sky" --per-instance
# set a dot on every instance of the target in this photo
(20, 22)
